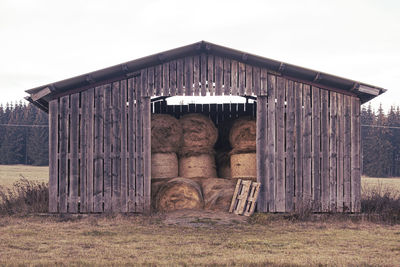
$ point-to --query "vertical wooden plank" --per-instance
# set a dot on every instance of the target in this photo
(271, 143)
(242, 78)
(166, 79)
(146, 153)
(346, 154)
(306, 128)
(264, 82)
(139, 146)
(332, 152)
(210, 74)
(124, 146)
(107, 178)
(280, 202)
(116, 147)
(83, 150)
(53, 162)
(132, 145)
(298, 96)
(158, 77)
(179, 76)
(203, 69)
(74, 159)
(150, 81)
(227, 76)
(63, 154)
(218, 65)
(355, 156)
(316, 141)
(290, 140)
(256, 80)
(235, 77)
(172, 77)
(188, 76)
(196, 74)
(325, 151)
(340, 137)
(249, 79)
(262, 142)
(89, 148)
(98, 148)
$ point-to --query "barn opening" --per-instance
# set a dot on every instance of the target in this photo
(205, 171)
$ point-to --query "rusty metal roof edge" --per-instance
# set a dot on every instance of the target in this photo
(204, 47)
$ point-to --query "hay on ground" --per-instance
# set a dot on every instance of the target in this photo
(166, 133)
(243, 134)
(198, 131)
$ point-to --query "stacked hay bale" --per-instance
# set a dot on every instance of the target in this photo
(166, 140)
(179, 193)
(217, 193)
(196, 156)
(242, 138)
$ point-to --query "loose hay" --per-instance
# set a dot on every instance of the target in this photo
(197, 166)
(198, 131)
(244, 166)
(179, 193)
(164, 165)
(242, 136)
(166, 133)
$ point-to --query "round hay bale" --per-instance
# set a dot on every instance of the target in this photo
(198, 131)
(164, 165)
(166, 134)
(178, 194)
(197, 166)
(242, 135)
(218, 193)
(244, 166)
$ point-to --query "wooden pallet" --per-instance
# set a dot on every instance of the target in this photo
(245, 197)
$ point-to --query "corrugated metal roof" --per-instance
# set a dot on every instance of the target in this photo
(122, 70)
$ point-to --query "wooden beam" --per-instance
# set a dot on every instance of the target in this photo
(42, 93)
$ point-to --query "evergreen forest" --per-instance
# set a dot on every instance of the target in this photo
(24, 138)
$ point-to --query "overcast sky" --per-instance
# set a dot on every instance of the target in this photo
(46, 41)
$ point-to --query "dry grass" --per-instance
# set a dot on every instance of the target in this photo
(192, 240)
(9, 174)
(149, 240)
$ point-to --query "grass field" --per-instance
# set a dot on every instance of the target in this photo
(12, 173)
(197, 238)
(150, 240)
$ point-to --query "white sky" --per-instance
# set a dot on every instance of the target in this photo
(46, 41)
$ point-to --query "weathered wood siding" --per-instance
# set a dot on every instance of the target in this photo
(99, 150)
(308, 138)
(319, 165)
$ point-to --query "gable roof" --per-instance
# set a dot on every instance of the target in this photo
(40, 96)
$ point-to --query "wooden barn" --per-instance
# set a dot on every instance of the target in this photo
(308, 128)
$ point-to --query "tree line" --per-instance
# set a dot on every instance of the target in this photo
(24, 138)
(23, 135)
